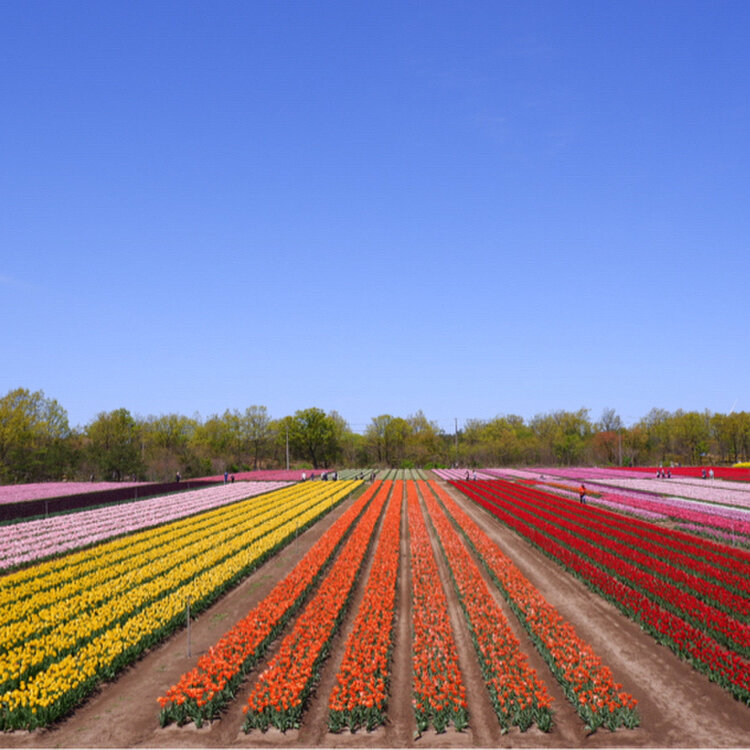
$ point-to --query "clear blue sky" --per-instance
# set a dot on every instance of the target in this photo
(468, 208)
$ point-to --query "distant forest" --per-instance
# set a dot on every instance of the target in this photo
(38, 444)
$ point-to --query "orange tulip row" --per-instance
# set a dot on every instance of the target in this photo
(359, 697)
(587, 682)
(439, 692)
(202, 693)
(280, 694)
(519, 697)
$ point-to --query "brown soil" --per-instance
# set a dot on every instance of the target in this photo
(678, 706)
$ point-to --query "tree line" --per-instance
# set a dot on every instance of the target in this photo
(37, 442)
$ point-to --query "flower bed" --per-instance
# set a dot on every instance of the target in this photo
(517, 694)
(588, 684)
(73, 622)
(439, 692)
(721, 664)
(692, 567)
(359, 698)
(278, 698)
(19, 493)
(30, 541)
(203, 693)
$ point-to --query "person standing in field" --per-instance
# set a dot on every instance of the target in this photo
(582, 493)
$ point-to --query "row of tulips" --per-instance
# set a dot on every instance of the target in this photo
(517, 694)
(128, 551)
(132, 570)
(29, 541)
(587, 682)
(719, 663)
(700, 556)
(203, 693)
(359, 697)
(278, 698)
(732, 473)
(723, 505)
(85, 629)
(439, 692)
(19, 493)
(693, 590)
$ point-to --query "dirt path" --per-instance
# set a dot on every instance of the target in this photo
(678, 706)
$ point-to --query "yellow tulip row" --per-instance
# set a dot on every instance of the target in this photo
(71, 567)
(73, 601)
(100, 642)
(61, 599)
(69, 609)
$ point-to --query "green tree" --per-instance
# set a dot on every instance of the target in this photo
(658, 425)
(635, 445)
(387, 438)
(377, 439)
(563, 436)
(114, 444)
(424, 445)
(607, 438)
(34, 437)
(732, 435)
(255, 426)
(168, 447)
(281, 429)
(315, 436)
(692, 434)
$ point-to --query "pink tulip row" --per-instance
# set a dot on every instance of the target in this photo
(688, 487)
(733, 473)
(734, 519)
(460, 474)
(29, 541)
(19, 493)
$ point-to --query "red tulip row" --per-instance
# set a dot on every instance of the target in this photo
(649, 573)
(280, 694)
(439, 692)
(699, 564)
(202, 693)
(519, 697)
(588, 684)
(359, 696)
(721, 664)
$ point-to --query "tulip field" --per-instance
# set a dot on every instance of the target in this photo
(385, 613)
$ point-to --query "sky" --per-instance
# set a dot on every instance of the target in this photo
(470, 209)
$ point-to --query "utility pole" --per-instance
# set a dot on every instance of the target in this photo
(287, 447)
(456, 434)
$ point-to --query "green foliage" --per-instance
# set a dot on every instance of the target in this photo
(34, 437)
(316, 436)
(37, 444)
(114, 445)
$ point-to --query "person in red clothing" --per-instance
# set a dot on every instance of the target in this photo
(582, 493)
